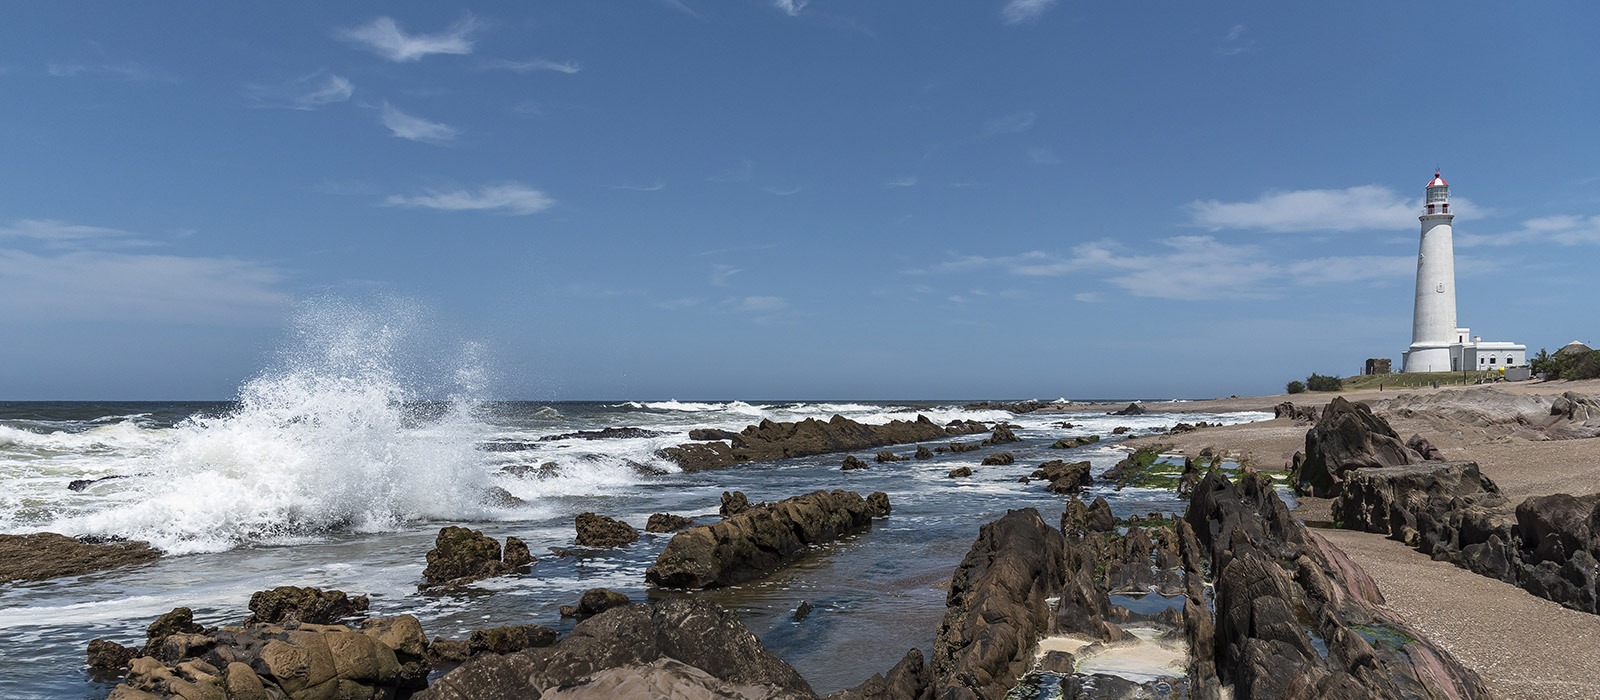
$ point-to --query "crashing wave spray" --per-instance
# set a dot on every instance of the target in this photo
(334, 438)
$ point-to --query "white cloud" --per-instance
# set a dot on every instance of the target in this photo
(909, 181)
(307, 93)
(1014, 123)
(1043, 156)
(791, 7)
(783, 191)
(1352, 208)
(1562, 229)
(679, 6)
(1019, 11)
(720, 274)
(652, 187)
(56, 232)
(86, 284)
(742, 172)
(678, 304)
(761, 304)
(384, 37)
(415, 128)
(131, 72)
(1234, 43)
(510, 198)
(1352, 269)
(568, 67)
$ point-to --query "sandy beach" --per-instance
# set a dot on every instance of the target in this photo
(1522, 645)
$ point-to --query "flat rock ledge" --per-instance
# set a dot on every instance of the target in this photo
(770, 440)
(762, 539)
(47, 555)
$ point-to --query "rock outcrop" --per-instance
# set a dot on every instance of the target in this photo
(1300, 414)
(461, 556)
(1064, 477)
(1133, 409)
(303, 604)
(999, 459)
(759, 540)
(603, 532)
(676, 648)
(1348, 436)
(770, 440)
(909, 679)
(852, 463)
(593, 602)
(1492, 413)
(733, 503)
(666, 522)
(1069, 443)
(1001, 435)
(47, 555)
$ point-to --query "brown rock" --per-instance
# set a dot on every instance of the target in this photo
(505, 640)
(601, 531)
(666, 522)
(47, 555)
(758, 541)
(851, 463)
(999, 459)
(878, 504)
(959, 472)
(303, 604)
(461, 556)
(733, 503)
(595, 601)
(769, 440)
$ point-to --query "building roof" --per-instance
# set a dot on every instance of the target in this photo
(1437, 181)
(1573, 348)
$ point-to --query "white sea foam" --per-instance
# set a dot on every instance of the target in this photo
(332, 440)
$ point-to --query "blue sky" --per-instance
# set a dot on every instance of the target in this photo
(759, 199)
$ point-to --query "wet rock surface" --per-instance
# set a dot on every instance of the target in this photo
(771, 440)
(605, 434)
(666, 522)
(760, 539)
(47, 555)
(603, 532)
(461, 556)
(676, 648)
(1064, 477)
(303, 604)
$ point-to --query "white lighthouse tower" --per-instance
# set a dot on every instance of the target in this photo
(1433, 325)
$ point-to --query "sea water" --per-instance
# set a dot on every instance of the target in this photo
(337, 465)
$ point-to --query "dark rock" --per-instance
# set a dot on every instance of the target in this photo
(910, 679)
(959, 447)
(1058, 662)
(601, 531)
(1422, 447)
(959, 472)
(712, 434)
(108, 656)
(525, 471)
(758, 541)
(1575, 407)
(1100, 518)
(666, 522)
(1302, 414)
(312, 605)
(449, 651)
(1069, 443)
(801, 611)
(47, 555)
(1133, 409)
(678, 648)
(995, 607)
(999, 459)
(878, 504)
(593, 602)
(461, 556)
(852, 463)
(177, 621)
(1064, 477)
(607, 434)
(923, 453)
(505, 640)
(516, 553)
(769, 440)
(497, 497)
(1120, 430)
(1182, 428)
(1348, 436)
(1002, 434)
(733, 503)
(888, 456)
(82, 484)
(1014, 407)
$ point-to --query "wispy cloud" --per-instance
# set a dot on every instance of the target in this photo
(791, 7)
(307, 93)
(678, 304)
(1020, 11)
(743, 171)
(1234, 42)
(909, 181)
(383, 36)
(679, 6)
(92, 280)
(131, 72)
(415, 128)
(508, 198)
(529, 66)
(1563, 230)
(56, 232)
(720, 274)
(760, 305)
(652, 187)
(1014, 123)
(1043, 156)
(1352, 208)
(783, 191)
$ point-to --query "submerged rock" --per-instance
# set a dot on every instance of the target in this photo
(999, 459)
(760, 540)
(593, 602)
(959, 472)
(770, 440)
(851, 463)
(461, 556)
(605, 434)
(1064, 477)
(46, 555)
(603, 532)
(666, 522)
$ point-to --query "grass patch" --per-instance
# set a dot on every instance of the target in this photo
(1414, 380)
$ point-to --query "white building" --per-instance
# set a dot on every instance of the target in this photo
(1437, 343)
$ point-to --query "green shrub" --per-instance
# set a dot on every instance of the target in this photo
(1577, 366)
(1318, 382)
(1297, 387)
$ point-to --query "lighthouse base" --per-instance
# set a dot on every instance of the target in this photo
(1428, 359)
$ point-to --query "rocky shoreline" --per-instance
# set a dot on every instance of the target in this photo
(1236, 595)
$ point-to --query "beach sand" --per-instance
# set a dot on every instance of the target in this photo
(1524, 646)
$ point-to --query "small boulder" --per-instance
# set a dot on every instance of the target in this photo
(1133, 409)
(878, 504)
(733, 503)
(593, 602)
(923, 452)
(1002, 434)
(666, 522)
(888, 456)
(505, 640)
(999, 459)
(601, 531)
(307, 604)
(107, 656)
(1120, 430)
(959, 472)
(852, 463)
(461, 556)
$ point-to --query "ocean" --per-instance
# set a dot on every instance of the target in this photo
(334, 474)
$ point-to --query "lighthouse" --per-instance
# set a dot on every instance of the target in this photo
(1437, 343)
(1433, 322)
